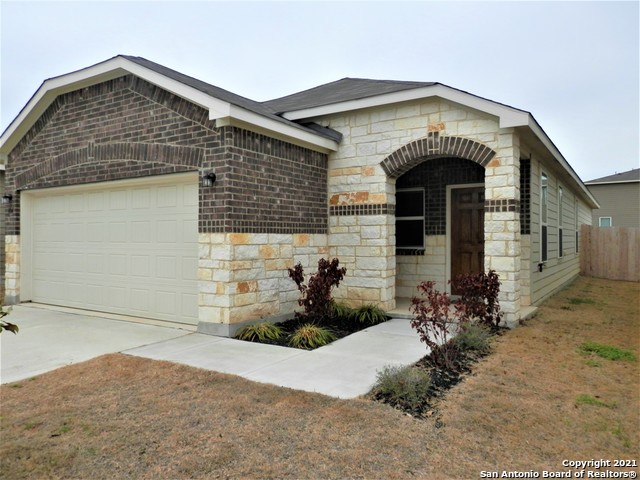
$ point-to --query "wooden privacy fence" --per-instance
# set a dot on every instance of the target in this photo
(610, 252)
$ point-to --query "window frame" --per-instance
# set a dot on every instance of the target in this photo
(544, 217)
(411, 219)
(605, 226)
(560, 222)
(576, 213)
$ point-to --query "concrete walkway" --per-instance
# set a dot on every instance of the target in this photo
(346, 368)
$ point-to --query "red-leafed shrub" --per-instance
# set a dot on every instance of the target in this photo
(437, 319)
(479, 296)
(436, 323)
(316, 294)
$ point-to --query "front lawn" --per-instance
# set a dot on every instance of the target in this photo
(538, 399)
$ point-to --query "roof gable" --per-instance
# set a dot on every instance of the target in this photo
(223, 106)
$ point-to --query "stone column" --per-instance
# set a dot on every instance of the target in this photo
(12, 269)
(502, 249)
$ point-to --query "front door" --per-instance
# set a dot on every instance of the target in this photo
(467, 231)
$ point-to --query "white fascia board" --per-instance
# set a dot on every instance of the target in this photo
(240, 117)
(119, 66)
(508, 116)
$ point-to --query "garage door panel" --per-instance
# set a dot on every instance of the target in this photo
(167, 196)
(189, 269)
(118, 200)
(126, 250)
(189, 305)
(95, 201)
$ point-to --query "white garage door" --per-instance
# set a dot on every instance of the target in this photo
(118, 248)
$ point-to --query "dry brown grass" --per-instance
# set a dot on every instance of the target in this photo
(124, 417)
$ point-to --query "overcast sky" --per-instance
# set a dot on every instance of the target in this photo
(573, 65)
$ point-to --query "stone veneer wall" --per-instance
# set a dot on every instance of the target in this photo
(243, 276)
(380, 144)
(413, 269)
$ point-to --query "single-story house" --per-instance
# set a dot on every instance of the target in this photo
(619, 199)
(138, 190)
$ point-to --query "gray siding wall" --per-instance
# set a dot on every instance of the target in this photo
(558, 269)
(620, 201)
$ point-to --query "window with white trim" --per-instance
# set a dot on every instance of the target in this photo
(575, 207)
(605, 222)
(410, 218)
(544, 192)
(560, 229)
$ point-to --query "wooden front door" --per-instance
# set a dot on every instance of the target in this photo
(467, 231)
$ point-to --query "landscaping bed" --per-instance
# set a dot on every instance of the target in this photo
(336, 326)
(322, 320)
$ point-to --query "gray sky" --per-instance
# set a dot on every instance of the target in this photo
(573, 65)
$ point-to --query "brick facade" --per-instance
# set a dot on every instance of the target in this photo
(127, 128)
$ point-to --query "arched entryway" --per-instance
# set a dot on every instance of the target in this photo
(439, 186)
(439, 222)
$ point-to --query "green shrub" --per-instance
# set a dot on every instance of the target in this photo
(474, 337)
(607, 351)
(403, 387)
(311, 336)
(260, 332)
(342, 310)
(370, 314)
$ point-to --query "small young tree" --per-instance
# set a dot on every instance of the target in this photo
(437, 319)
(4, 325)
(436, 323)
(316, 294)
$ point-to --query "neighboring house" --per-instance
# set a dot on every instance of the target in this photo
(619, 199)
(141, 191)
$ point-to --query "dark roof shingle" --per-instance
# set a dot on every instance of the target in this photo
(229, 97)
(630, 176)
(342, 90)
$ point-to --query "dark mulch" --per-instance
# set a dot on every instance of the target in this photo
(339, 326)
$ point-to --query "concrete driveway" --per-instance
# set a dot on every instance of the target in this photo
(347, 368)
(50, 339)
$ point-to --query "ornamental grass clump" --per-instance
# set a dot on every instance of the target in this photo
(309, 336)
(342, 310)
(260, 332)
(370, 314)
